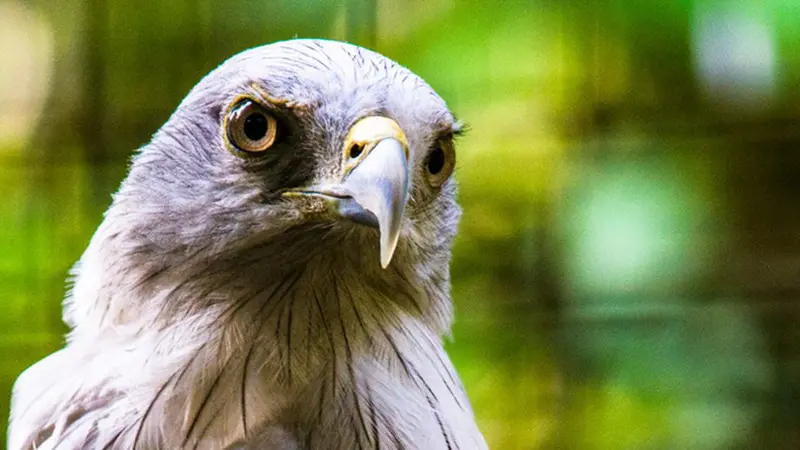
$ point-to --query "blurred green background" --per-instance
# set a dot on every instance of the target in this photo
(628, 267)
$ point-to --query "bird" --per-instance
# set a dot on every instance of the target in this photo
(272, 273)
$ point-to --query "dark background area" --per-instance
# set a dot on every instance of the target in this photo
(627, 272)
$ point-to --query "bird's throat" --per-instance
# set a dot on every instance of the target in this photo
(309, 353)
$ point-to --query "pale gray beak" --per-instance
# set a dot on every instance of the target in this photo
(375, 188)
(379, 184)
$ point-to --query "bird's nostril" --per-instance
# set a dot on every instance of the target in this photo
(355, 150)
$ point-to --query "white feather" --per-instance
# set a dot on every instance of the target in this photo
(175, 346)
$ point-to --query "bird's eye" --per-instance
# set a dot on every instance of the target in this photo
(440, 162)
(251, 129)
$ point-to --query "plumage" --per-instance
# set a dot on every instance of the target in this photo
(221, 305)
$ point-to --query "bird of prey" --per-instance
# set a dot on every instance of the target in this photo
(273, 273)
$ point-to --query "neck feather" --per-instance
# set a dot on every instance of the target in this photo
(235, 352)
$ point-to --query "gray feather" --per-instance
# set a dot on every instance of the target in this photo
(207, 313)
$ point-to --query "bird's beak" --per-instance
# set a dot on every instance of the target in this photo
(375, 187)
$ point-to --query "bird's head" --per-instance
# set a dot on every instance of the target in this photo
(303, 153)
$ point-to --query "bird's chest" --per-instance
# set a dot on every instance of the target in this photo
(315, 374)
(353, 398)
(358, 411)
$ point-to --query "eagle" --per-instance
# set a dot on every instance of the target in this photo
(273, 272)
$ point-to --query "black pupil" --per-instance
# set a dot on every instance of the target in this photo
(355, 150)
(436, 161)
(255, 126)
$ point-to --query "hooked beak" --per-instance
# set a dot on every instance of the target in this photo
(375, 187)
